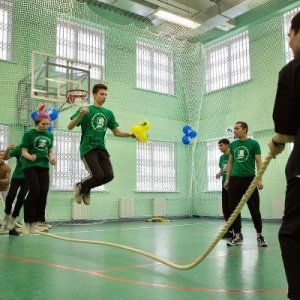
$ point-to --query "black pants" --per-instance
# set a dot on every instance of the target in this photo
(226, 207)
(100, 170)
(237, 188)
(289, 238)
(36, 200)
(15, 185)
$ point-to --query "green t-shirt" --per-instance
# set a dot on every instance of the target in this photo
(244, 157)
(38, 143)
(223, 165)
(93, 127)
(17, 153)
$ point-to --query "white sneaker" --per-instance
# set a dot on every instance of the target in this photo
(77, 193)
(32, 227)
(25, 228)
(11, 223)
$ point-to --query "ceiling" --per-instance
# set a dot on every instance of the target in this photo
(218, 15)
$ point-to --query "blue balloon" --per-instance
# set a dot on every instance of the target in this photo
(193, 134)
(34, 115)
(53, 113)
(186, 129)
(186, 139)
(50, 127)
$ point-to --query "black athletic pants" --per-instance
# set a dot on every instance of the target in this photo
(289, 238)
(100, 170)
(15, 185)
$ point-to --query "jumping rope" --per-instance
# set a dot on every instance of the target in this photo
(225, 228)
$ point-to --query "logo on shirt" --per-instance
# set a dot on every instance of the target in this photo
(241, 154)
(41, 143)
(99, 122)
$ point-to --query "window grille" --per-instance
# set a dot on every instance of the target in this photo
(83, 43)
(5, 29)
(69, 168)
(4, 132)
(228, 62)
(154, 69)
(156, 171)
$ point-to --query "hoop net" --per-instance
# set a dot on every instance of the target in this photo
(77, 96)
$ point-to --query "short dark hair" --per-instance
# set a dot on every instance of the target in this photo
(243, 124)
(99, 86)
(224, 141)
(295, 23)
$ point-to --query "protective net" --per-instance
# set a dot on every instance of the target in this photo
(163, 74)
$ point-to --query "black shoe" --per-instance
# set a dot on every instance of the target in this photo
(13, 232)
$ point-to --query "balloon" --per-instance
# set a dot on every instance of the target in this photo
(145, 125)
(193, 134)
(137, 129)
(53, 113)
(186, 139)
(50, 127)
(34, 115)
(143, 138)
(187, 129)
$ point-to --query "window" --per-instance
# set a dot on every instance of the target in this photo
(156, 167)
(5, 29)
(154, 69)
(228, 62)
(83, 43)
(287, 18)
(4, 132)
(212, 159)
(69, 168)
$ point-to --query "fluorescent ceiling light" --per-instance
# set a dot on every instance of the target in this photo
(162, 14)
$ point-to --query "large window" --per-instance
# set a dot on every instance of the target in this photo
(287, 18)
(228, 62)
(156, 167)
(154, 68)
(4, 133)
(83, 43)
(69, 168)
(5, 29)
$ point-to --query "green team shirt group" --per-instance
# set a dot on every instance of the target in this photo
(94, 125)
(243, 153)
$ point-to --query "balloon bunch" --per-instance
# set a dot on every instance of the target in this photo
(190, 134)
(140, 130)
(52, 113)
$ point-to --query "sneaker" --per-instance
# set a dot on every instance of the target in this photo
(25, 228)
(13, 232)
(77, 193)
(235, 241)
(5, 220)
(11, 223)
(86, 198)
(261, 241)
(32, 227)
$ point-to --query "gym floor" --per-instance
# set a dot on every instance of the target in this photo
(41, 267)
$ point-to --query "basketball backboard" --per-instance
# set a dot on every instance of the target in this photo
(53, 76)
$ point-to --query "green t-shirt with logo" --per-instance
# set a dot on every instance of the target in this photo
(17, 153)
(93, 127)
(223, 165)
(244, 157)
(38, 143)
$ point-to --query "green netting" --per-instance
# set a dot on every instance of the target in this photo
(34, 28)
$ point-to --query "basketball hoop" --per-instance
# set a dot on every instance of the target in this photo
(77, 96)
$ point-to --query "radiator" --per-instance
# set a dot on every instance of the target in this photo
(126, 208)
(159, 207)
(80, 211)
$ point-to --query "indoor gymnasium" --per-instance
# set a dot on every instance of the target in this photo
(175, 78)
